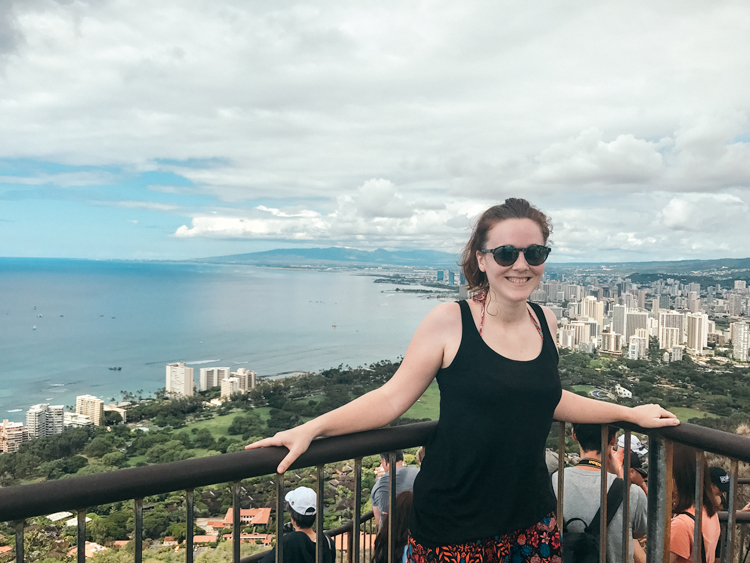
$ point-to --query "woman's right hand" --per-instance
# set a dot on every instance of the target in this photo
(296, 440)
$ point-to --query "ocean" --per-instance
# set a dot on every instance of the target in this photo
(93, 315)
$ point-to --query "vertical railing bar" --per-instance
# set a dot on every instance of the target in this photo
(698, 507)
(319, 517)
(391, 507)
(731, 520)
(20, 524)
(603, 494)
(279, 517)
(81, 551)
(138, 533)
(560, 477)
(659, 490)
(357, 536)
(190, 509)
(236, 521)
(626, 541)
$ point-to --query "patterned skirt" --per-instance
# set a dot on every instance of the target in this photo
(539, 543)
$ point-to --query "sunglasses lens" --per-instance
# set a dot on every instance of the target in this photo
(536, 254)
(506, 255)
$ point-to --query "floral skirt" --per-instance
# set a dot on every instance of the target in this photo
(538, 544)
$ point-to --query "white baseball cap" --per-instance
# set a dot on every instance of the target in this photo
(635, 444)
(302, 500)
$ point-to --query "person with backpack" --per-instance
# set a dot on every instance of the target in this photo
(581, 504)
(683, 510)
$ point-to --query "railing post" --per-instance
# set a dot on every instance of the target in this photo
(626, 499)
(138, 507)
(356, 524)
(236, 521)
(189, 506)
(560, 477)
(391, 507)
(659, 498)
(279, 518)
(81, 551)
(19, 541)
(604, 444)
(698, 504)
(319, 517)
(729, 546)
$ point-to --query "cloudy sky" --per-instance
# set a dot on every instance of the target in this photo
(135, 129)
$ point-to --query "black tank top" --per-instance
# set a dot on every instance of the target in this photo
(484, 471)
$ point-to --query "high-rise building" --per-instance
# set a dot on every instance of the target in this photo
(440, 274)
(246, 378)
(92, 407)
(740, 341)
(694, 302)
(734, 304)
(740, 284)
(76, 420)
(638, 348)
(229, 386)
(677, 352)
(611, 342)
(664, 301)
(211, 377)
(619, 319)
(12, 435)
(669, 337)
(673, 319)
(697, 333)
(642, 298)
(593, 309)
(179, 380)
(43, 420)
(635, 320)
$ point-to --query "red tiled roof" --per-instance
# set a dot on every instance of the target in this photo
(121, 543)
(256, 515)
(5, 549)
(342, 541)
(205, 539)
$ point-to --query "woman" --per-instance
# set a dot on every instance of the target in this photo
(483, 491)
(681, 540)
(400, 530)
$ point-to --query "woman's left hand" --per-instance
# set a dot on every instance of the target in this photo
(652, 416)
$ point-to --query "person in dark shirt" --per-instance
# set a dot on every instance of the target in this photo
(300, 544)
(495, 360)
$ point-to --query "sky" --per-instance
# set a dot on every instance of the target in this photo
(175, 130)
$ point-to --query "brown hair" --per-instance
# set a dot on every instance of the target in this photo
(513, 208)
(683, 472)
(400, 529)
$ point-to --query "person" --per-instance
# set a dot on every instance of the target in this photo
(400, 530)
(405, 476)
(638, 474)
(300, 544)
(582, 488)
(483, 489)
(683, 509)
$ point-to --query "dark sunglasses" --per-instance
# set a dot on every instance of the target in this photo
(507, 254)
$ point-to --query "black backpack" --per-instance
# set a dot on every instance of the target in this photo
(703, 543)
(583, 547)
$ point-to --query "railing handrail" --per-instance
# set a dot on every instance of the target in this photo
(25, 501)
(19, 502)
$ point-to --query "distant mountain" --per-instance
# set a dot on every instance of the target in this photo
(338, 256)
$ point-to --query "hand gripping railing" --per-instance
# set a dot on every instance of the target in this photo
(20, 503)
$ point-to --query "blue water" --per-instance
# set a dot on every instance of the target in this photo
(141, 316)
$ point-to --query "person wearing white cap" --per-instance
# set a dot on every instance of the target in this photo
(299, 545)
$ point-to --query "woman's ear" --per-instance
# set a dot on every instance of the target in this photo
(480, 261)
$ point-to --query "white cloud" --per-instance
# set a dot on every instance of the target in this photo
(704, 212)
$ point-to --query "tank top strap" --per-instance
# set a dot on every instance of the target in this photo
(543, 322)
(468, 326)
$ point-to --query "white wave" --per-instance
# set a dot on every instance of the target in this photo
(57, 385)
(15, 410)
(203, 362)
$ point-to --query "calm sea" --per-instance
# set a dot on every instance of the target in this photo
(92, 315)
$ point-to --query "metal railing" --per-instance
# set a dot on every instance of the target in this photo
(22, 502)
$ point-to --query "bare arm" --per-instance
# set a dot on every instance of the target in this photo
(574, 408)
(421, 362)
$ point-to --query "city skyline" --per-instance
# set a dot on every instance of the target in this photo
(233, 128)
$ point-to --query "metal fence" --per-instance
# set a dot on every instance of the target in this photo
(22, 502)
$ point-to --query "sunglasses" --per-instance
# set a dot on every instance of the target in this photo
(507, 254)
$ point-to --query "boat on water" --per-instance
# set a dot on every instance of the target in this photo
(116, 368)
(33, 327)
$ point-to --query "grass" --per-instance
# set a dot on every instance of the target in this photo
(219, 425)
(584, 388)
(685, 414)
(428, 405)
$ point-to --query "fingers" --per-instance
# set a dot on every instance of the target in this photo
(264, 443)
(287, 461)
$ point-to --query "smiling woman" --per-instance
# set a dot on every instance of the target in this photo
(495, 360)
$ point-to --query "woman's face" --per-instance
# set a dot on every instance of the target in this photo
(515, 282)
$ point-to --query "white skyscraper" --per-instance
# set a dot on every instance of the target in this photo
(593, 309)
(673, 319)
(92, 407)
(697, 337)
(741, 340)
(246, 378)
(635, 320)
(211, 377)
(619, 319)
(43, 420)
(12, 435)
(179, 380)
(229, 386)
(669, 337)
